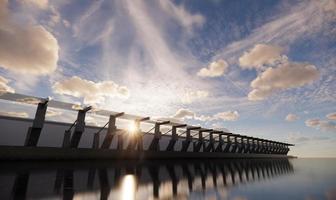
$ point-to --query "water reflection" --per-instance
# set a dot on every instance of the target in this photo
(134, 180)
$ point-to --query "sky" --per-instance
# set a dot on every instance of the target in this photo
(260, 68)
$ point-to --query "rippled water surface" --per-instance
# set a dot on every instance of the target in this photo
(307, 179)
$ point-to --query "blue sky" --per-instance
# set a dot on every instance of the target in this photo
(261, 68)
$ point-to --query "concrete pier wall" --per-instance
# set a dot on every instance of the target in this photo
(13, 132)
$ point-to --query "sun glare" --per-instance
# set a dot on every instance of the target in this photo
(128, 187)
(132, 128)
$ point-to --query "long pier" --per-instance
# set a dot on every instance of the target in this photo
(111, 142)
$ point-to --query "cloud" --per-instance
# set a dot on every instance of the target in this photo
(42, 4)
(4, 87)
(14, 114)
(191, 96)
(29, 100)
(92, 92)
(183, 113)
(286, 75)
(180, 14)
(26, 48)
(188, 114)
(53, 112)
(312, 122)
(291, 117)
(299, 138)
(260, 55)
(321, 124)
(331, 116)
(215, 69)
(226, 116)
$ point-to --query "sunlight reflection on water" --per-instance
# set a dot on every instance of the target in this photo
(308, 179)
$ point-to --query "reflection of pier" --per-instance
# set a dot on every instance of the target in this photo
(181, 140)
(158, 178)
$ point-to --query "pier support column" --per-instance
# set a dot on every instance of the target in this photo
(79, 128)
(256, 145)
(34, 131)
(228, 144)
(200, 143)
(211, 145)
(111, 131)
(155, 144)
(174, 137)
(263, 147)
(136, 143)
(241, 145)
(187, 141)
(219, 147)
(247, 145)
(235, 144)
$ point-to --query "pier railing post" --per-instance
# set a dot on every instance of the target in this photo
(174, 137)
(219, 147)
(235, 146)
(34, 131)
(136, 143)
(79, 127)
(200, 143)
(111, 131)
(228, 143)
(155, 144)
(188, 139)
(211, 146)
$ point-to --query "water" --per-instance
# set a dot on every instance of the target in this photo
(306, 179)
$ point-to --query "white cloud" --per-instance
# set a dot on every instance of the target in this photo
(92, 92)
(42, 4)
(26, 48)
(331, 116)
(321, 124)
(227, 116)
(183, 113)
(191, 96)
(260, 55)
(14, 114)
(188, 114)
(53, 112)
(291, 117)
(312, 122)
(215, 69)
(4, 87)
(286, 75)
(179, 13)
(55, 16)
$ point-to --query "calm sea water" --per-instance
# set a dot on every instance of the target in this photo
(306, 179)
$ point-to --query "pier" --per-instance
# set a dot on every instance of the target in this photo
(164, 139)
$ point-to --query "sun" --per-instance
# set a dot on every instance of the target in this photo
(132, 128)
